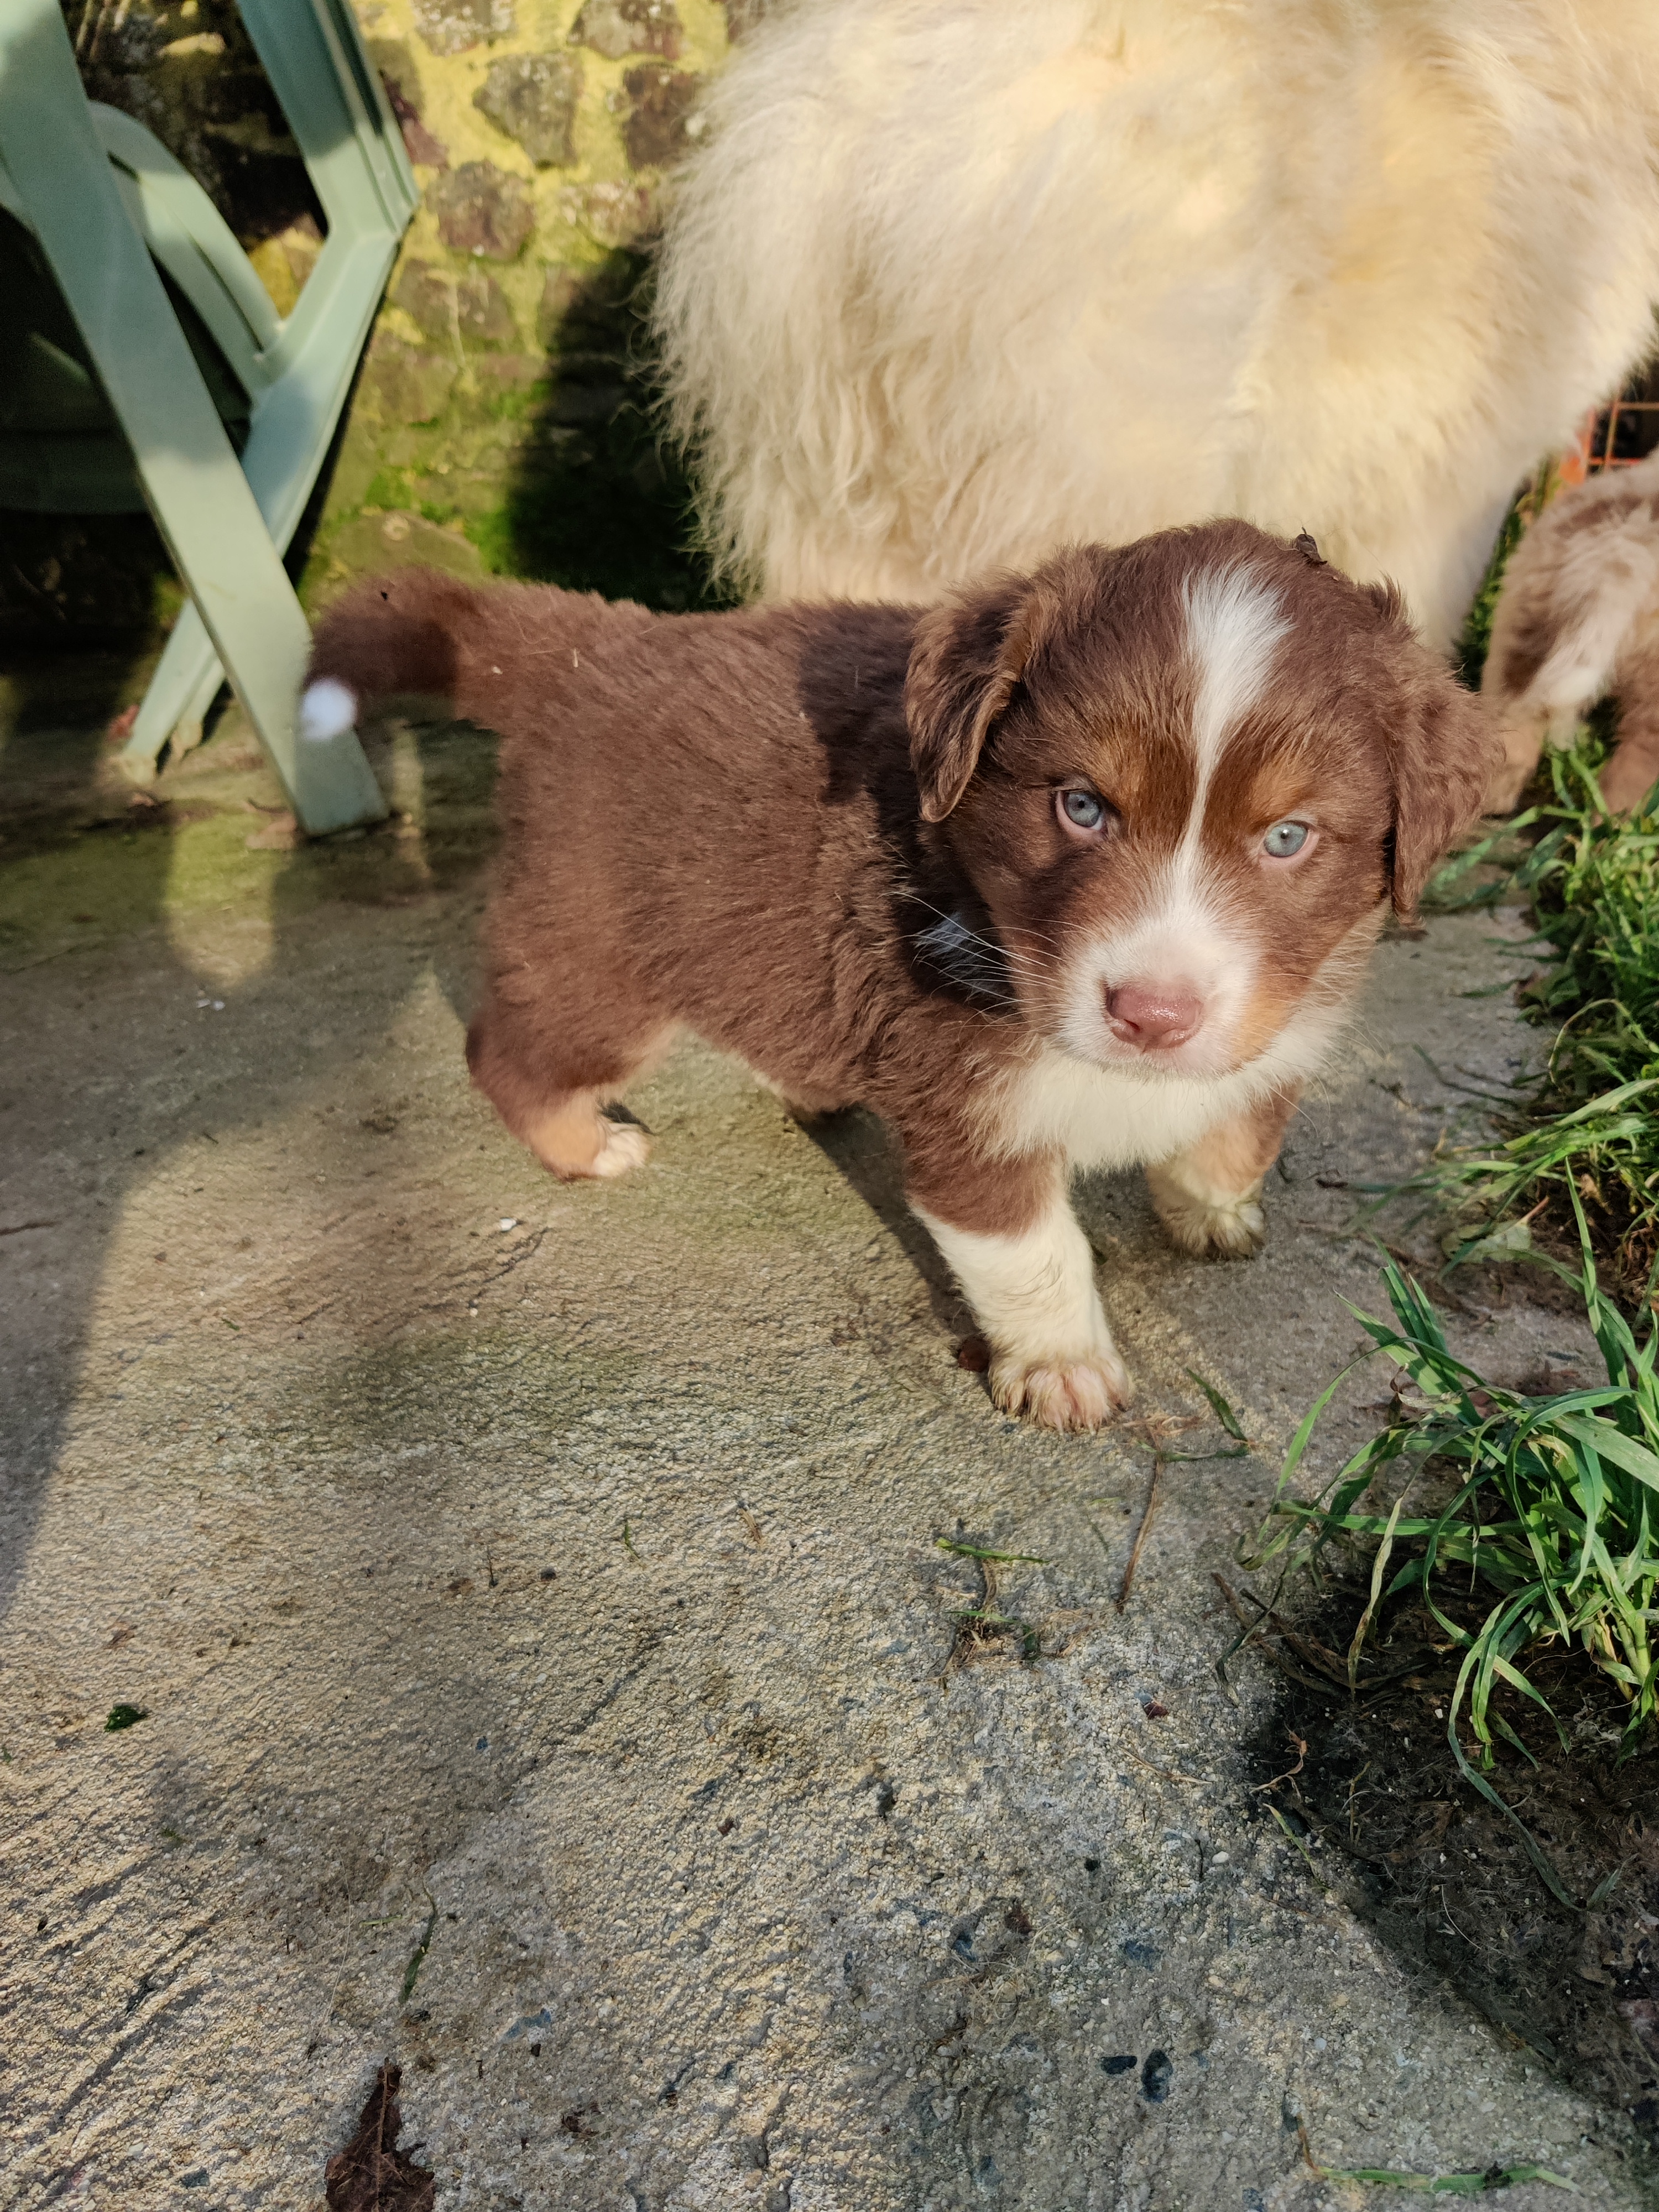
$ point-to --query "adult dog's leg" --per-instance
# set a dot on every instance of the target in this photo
(1209, 1197)
(1634, 768)
(1026, 1267)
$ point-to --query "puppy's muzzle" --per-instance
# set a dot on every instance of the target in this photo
(1154, 1016)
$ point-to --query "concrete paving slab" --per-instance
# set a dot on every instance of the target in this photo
(551, 1674)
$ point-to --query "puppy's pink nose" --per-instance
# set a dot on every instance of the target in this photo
(1154, 1016)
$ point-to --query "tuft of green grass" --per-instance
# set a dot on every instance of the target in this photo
(417, 1956)
(1589, 1122)
(978, 1552)
(123, 1716)
(1496, 2176)
(1554, 1509)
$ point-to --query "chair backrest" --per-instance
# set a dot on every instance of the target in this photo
(60, 450)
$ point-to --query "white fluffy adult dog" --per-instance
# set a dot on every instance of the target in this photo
(954, 282)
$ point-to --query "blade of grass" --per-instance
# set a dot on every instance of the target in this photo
(1379, 1568)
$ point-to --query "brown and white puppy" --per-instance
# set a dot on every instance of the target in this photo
(1079, 869)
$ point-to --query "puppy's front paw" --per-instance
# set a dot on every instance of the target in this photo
(1207, 1221)
(1062, 1394)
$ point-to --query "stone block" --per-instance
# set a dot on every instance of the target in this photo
(356, 467)
(401, 80)
(616, 27)
(498, 374)
(470, 492)
(482, 311)
(409, 386)
(471, 306)
(450, 26)
(659, 125)
(419, 143)
(533, 98)
(404, 448)
(480, 210)
(428, 295)
(614, 214)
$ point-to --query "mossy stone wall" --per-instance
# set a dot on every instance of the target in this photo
(502, 420)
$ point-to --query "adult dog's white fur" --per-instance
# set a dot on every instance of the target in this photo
(954, 282)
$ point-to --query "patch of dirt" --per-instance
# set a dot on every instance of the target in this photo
(370, 2174)
(1368, 1787)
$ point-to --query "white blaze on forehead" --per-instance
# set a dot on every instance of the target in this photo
(1234, 622)
(1189, 934)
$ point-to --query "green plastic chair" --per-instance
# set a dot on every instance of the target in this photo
(142, 351)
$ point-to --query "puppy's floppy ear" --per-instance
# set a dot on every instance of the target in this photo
(967, 657)
(1444, 753)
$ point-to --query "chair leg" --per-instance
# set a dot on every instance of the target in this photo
(192, 481)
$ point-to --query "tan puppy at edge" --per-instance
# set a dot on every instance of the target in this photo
(1577, 619)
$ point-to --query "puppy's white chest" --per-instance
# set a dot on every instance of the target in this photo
(1099, 1117)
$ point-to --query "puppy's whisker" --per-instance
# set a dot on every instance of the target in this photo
(963, 936)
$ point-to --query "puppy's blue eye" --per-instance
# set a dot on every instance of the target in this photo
(1285, 840)
(1083, 810)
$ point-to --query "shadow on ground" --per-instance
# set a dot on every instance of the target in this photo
(562, 1658)
(596, 504)
(197, 884)
(1370, 1785)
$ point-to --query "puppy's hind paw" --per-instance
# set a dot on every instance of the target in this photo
(624, 1145)
(1230, 1225)
(1079, 1394)
(576, 1142)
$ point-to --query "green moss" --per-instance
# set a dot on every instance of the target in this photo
(492, 534)
(169, 602)
(563, 479)
(516, 402)
(387, 488)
